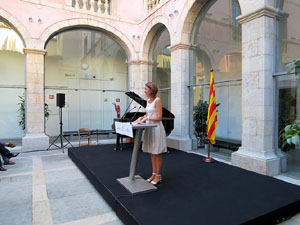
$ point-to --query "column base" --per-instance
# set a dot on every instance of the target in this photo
(35, 142)
(266, 163)
(283, 161)
(181, 143)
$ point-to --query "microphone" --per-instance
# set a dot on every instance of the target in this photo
(135, 113)
(128, 111)
(131, 109)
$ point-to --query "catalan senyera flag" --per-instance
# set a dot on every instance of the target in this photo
(212, 120)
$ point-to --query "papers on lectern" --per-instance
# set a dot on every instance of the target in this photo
(124, 129)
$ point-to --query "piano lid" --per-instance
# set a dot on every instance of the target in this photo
(136, 98)
(143, 102)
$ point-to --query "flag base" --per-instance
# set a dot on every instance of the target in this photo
(208, 160)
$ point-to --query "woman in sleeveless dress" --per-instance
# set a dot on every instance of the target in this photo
(154, 138)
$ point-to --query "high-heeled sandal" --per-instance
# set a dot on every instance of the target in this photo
(150, 177)
(157, 175)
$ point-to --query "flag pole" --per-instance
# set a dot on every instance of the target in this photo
(212, 123)
(208, 159)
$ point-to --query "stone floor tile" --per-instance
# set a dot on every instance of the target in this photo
(22, 165)
(16, 215)
(116, 222)
(13, 196)
(291, 222)
(56, 161)
(104, 218)
(63, 175)
(41, 213)
(76, 207)
(9, 181)
(61, 189)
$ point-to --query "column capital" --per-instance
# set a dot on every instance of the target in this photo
(181, 46)
(34, 51)
(264, 11)
(140, 62)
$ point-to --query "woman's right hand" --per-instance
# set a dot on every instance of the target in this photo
(137, 120)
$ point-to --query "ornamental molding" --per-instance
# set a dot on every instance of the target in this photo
(180, 46)
(34, 51)
(265, 11)
(140, 62)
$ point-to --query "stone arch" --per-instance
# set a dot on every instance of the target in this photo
(18, 27)
(191, 11)
(188, 17)
(150, 32)
(114, 33)
(193, 7)
(156, 53)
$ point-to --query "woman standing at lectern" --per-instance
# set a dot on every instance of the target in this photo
(154, 138)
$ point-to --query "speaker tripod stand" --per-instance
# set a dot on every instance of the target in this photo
(60, 136)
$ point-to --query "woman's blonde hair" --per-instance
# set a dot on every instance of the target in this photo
(153, 88)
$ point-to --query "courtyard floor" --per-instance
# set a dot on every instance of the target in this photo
(45, 188)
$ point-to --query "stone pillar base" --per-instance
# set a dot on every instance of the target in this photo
(266, 163)
(181, 143)
(283, 161)
(194, 143)
(35, 142)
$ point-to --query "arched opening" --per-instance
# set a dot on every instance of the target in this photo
(12, 84)
(160, 55)
(216, 36)
(90, 68)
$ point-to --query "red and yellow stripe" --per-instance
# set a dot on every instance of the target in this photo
(212, 120)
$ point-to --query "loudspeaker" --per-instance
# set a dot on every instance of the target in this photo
(60, 100)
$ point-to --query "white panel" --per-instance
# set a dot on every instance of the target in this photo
(235, 112)
(222, 98)
(9, 117)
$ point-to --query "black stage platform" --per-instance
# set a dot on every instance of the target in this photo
(192, 192)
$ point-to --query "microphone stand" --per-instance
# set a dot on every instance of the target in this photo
(136, 113)
(126, 109)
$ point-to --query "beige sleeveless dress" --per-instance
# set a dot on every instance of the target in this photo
(154, 138)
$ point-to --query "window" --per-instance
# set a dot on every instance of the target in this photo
(236, 27)
(93, 76)
(218, 47)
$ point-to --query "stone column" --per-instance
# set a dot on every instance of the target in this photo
(180, 73)
(257, 152)
(138, 76)
(35, 137)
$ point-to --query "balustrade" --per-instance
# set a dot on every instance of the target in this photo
(98, 6)
(152, 5)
